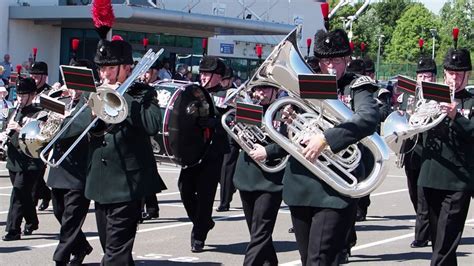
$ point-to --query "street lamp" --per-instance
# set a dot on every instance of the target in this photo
(381, 36)
(433, 33)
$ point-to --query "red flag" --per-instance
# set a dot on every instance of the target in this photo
(75, 44)
(258, 50)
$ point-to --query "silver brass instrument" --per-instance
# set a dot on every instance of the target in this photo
(281, 70)
(6, 134)
(36, 134)
(249, 135)
(398, 128)
(107, 104)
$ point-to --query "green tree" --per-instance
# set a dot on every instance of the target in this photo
(457, 13)
(366, 28)
(388, 12)
(415, 23)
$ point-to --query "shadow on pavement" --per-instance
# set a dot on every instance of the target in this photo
(13, 249)
(239, 248)
(164, 263)
(398, 257)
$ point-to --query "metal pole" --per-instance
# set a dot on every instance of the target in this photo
(434, 40)
(378, 57)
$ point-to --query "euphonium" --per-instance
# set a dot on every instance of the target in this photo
(247, 136)
(281, 70)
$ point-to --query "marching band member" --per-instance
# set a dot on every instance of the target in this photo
(447, 161)
(121, 165)
(230, 158)
(67, 181)
(198, 184)
(321, 216)
(425, 71)
(24, 171)
(39, 72)
(260, 192)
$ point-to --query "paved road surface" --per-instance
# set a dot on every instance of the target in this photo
(382, 240)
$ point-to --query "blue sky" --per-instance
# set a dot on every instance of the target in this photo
(433, 5)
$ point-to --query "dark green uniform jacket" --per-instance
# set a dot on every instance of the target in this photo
(71, 174)
(250, 177)
(448, 150)
(17, 161)
(121, 164)
(220, 142)
(300, 186)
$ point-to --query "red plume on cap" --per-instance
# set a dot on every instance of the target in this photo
(351, 44)
(325, 11)
(117, 38)
(455, 37)
(35, 52)
(308, 42)
(103, 16)
(362, 47)
(258, 50)
(145, 42)
(18, 69)
(75, 44)
(420, 44)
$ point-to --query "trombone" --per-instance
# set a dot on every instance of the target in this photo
(108, 105)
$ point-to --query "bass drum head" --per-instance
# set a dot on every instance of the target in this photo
(186, 141)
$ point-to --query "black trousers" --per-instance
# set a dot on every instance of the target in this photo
(40, 189)
(321, 233)
(150, 204)
(260, 209)
(417, 198)
(197, 186)
(117, 227)
(21, 201)
(227, 174)
(363, 204)
(447, 211)
(70, 209)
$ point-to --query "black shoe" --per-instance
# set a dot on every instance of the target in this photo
(418, 244)
(78, 258)
(29, 231)
(344, 257)
(197, 246)
(60, 263)
(361, 216)
(222, 209)
(11, 237)
(291, 230)
(44, 205)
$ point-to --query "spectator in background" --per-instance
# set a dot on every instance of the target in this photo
(180, 73)
(7, 68)
(164, 72)
(188, 76)
(237, 81)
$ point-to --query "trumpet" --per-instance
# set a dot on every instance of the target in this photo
(107, 104)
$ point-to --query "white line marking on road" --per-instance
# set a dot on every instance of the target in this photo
(388, 192)
(6, 187)
(4, 194)
(368, 245)
(148, 229)
(166, 194)
(396, 176)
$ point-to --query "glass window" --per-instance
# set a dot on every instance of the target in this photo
(167, 40)
(186, 42)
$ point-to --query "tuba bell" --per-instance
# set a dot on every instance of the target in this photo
(281, 69)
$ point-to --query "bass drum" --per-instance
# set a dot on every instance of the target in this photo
(181, 141)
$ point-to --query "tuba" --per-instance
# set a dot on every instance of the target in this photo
(281, 69)
(108, 105)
